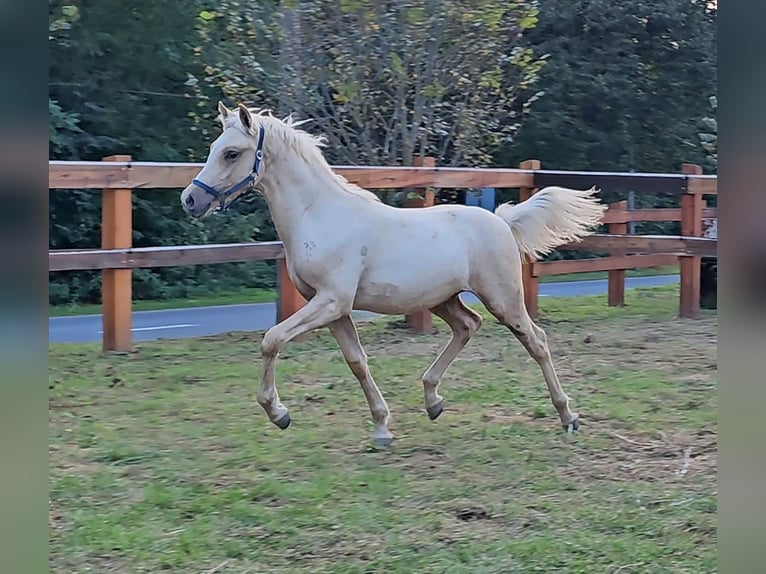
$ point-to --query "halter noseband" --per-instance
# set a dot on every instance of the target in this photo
(222, 196)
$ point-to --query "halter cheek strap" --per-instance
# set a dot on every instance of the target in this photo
(222, 196)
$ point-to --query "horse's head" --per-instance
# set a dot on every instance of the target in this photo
(232, 167)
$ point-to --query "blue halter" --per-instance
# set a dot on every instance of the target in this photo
(222, 196)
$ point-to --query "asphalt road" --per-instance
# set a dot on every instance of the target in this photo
(202, 321)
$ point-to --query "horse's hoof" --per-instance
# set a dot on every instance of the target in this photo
(435, 411)
(572, 427)
(283, 422)
(384, 441)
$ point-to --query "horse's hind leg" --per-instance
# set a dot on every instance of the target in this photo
(512, 313)
(464, 322)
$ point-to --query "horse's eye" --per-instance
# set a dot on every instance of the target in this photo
(231, 155)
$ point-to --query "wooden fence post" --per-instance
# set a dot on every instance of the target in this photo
(289, 300)
(690, 266)
(421, 321)
(116, 288)
(616, 280)
(529, 281)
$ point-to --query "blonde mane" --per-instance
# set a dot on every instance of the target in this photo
(305, 145)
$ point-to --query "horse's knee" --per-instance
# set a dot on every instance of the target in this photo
(270, 345)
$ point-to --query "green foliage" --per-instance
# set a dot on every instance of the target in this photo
(385, 81)
(63, 131)
(122, 81)
(625, 84)
(708, 137)
(61, 18)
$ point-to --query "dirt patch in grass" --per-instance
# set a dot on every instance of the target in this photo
(638, 457)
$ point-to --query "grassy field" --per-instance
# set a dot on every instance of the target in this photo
(161, 461)
(268, 295)
(234, 297)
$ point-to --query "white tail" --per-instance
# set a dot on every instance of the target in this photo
(552, 217)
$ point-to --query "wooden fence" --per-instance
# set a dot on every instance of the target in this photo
(116, 176)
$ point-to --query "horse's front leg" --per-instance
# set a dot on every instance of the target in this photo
(316, 313)
(347, 336)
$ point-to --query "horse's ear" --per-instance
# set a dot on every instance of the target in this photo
(245, 117)
(223, 111)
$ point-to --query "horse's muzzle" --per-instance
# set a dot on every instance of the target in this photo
(195, 201)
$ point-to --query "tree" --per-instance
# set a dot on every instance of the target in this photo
(123, 81)
(625, 84)
(385, 81)
(708, 137)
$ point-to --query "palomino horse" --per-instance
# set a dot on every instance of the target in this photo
(345, 250)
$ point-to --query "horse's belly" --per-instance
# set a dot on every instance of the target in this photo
(393, 301)
(400, 292)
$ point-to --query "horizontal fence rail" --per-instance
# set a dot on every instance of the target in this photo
(118, 175)
(638, 182)
(154, 175)
(174, 256)
(165, 256)
(139, 175)
(669, 244)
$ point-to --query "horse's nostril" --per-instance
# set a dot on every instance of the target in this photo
(190, 201)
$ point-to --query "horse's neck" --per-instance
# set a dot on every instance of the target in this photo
(295, 192)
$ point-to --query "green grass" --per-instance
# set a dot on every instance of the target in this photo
(267, 295)
(233, 297)
(161, 460)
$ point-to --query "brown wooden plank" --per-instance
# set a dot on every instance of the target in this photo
(116, 219)
(690, 268)
(607, 181)
(529, 282)
(86, 175)
(702, 184)
(616, 213)
(175, 175)
(421, 321)
(422, 177)
(84, 259)
(116, 305)
(656, 214)
(290, 300)
(132, 175)
(646, 244)
(616, 277)
(169, 256)
(542, 268)
(165, 256)
(659, 214)
(116, 284)
(129, 175)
